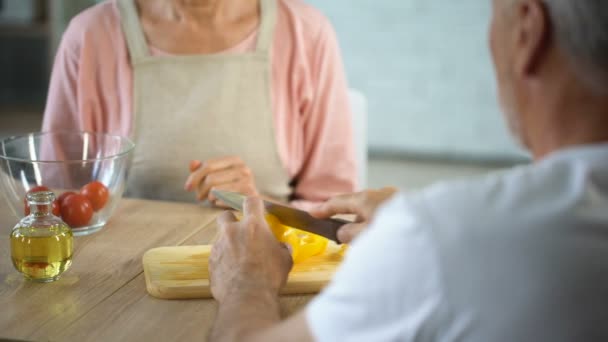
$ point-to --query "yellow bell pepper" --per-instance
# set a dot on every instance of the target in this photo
(303, 245)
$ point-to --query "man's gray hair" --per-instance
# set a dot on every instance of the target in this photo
(581, 30)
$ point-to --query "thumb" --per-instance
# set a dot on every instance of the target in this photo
(225, 218)
(253, 207)
(288, 255)
(288, 247)
(347, 233)
(343, 204)
(320, 211)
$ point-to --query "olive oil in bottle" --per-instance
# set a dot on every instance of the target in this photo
(41, 244)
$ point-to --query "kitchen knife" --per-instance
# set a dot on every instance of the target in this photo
(291, 217)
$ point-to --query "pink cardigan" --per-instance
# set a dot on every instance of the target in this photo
(92, 84)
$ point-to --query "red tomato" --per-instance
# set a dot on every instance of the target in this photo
(65, 195)
(60, 199)
(38, 188)
(76, 211)
(97, 193)
(56, 208)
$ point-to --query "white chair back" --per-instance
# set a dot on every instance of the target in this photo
(358, 104)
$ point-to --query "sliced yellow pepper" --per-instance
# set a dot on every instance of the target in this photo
(303, 245)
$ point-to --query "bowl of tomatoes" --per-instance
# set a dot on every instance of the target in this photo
(86, 171)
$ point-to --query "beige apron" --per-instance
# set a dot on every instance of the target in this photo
(201, 107)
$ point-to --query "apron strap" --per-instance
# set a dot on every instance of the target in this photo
(136, 40)
(267, 22)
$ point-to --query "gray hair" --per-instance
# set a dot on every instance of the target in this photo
(581, 30)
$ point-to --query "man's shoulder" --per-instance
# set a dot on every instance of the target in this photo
(462, 195)
(522, 204)
(489, 202)
(554, 184)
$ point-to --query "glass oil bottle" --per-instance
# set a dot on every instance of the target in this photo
(41, 243)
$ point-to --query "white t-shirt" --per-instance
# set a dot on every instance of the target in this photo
(517, 256)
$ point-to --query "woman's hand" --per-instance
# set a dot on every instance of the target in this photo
(363, 204)
(229, 174)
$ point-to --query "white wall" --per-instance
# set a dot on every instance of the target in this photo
(425, 68)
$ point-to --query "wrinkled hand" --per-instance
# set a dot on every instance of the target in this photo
(247, 258)
(228, 173)
(363, 204)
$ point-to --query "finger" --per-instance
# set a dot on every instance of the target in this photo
(343, 204)
(347, 233)
(195, 165)
(214, 255)
(210, 166)
(288, 247)
(389, 189)
(242, 186)
(220, 204)
(288, 257)
(194, 179)
(218, 178)
(226, 218)
(253, 207)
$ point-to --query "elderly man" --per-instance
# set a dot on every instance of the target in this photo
(517, 256)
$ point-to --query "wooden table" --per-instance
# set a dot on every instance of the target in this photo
(103, 296)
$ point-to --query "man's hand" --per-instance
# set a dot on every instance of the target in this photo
(229, 173)
(363, 204)
(247, 259)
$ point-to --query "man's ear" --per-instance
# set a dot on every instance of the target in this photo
(532, 34)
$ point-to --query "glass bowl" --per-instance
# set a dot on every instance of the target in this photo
(65, 161)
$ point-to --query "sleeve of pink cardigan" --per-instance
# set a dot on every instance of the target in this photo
(330, 165)
(62, 107)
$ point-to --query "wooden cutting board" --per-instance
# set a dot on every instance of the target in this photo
(181, 272)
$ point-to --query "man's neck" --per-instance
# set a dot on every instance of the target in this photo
(574, 117)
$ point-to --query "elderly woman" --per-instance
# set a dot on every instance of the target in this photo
(247, 96)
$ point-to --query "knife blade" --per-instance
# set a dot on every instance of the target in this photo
(291, 217)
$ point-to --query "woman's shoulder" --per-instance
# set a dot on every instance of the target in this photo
(96, 24)
(100, 16)
(304, 18)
